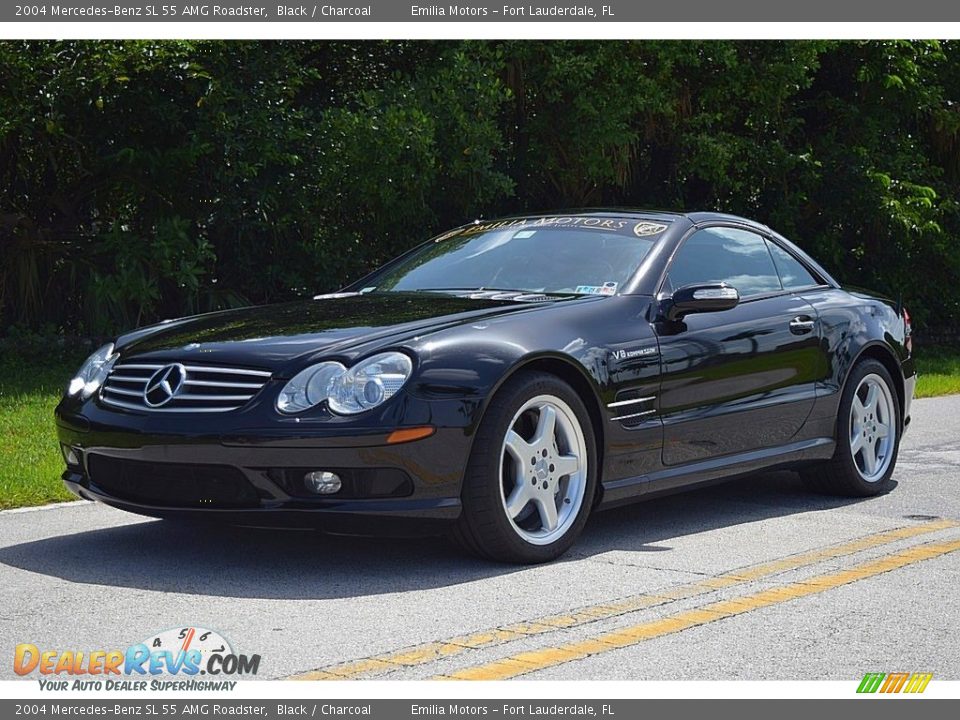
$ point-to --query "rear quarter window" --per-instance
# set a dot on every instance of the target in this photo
(792, 272)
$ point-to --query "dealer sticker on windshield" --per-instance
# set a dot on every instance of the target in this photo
(608, 288)
(643, 229)
(565, 222)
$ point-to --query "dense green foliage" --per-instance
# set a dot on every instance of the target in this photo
(141, 180)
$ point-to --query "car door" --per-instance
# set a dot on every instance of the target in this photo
(740, 379)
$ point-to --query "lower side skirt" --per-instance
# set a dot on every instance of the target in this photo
(619, 492)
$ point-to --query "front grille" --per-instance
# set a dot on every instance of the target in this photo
(172, 484)
(203, 388)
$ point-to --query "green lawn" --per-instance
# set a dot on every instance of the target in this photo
(938, 369)
(30, 463)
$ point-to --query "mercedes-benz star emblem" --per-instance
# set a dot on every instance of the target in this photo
(164, 384)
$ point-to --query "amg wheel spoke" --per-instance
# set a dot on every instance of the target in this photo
(857, 410)
(869, 459)
(873, 395)
(547, 507)
(566, 465)
(882, 430)
(519, 449)
(856, 444)
(546, 427)
(518, 499)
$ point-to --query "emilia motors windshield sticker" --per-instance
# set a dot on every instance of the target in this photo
(608, 288)
(644, 229)
(450, 233)
(148, 665)
(566, 222)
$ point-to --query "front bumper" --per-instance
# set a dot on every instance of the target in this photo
(253, 476)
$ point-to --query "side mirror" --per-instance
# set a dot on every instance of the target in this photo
(700, 299)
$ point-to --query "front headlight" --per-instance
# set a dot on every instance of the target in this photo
(366, 385)
(309, 387)
(93, 372)
(370, 383)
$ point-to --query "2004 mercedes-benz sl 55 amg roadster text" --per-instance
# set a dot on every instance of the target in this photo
(501, 381)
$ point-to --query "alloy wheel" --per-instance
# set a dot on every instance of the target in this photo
(872, 427)
(543, 470)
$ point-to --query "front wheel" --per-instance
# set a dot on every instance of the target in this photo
(532, 473)
(868, 436)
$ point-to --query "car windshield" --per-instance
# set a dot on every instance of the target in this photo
(576, 255)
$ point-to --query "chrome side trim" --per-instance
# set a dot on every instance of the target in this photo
(634, 415)
(634, 401)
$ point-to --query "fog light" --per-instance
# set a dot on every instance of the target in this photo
(70, 455)
(322, 482)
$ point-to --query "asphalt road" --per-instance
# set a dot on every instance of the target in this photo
(818, 588)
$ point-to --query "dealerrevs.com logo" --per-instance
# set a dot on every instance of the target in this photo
(153, 664)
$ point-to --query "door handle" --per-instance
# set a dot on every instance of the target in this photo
(801, 325)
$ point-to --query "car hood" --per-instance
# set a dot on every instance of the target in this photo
(284, 336)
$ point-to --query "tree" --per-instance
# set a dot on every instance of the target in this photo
(146, 179)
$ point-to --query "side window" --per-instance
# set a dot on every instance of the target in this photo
(792, 272)
(736, 257)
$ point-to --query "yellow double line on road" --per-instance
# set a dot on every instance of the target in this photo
(425, 653)
(527, 662)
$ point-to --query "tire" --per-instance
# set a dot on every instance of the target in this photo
(519, 468)
(849, 472)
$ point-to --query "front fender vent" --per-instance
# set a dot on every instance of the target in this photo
(631, 411)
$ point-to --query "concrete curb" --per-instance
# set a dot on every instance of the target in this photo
(51, 506)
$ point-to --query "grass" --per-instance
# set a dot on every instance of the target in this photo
(938, 369)
(30, 462)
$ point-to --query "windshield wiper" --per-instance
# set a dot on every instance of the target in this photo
(484, 293)
(485, 290)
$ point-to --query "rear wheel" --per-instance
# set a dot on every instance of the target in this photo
(868, 436)
(531, 477)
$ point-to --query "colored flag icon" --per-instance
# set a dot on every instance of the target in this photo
(894, 682)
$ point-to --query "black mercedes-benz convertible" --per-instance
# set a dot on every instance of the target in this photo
(500, 382)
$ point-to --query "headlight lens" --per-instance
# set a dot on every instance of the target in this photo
(309, 387)
(366, 385)
(370, 383)
(92, 373)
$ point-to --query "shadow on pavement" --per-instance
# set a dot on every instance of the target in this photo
(257, 563)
